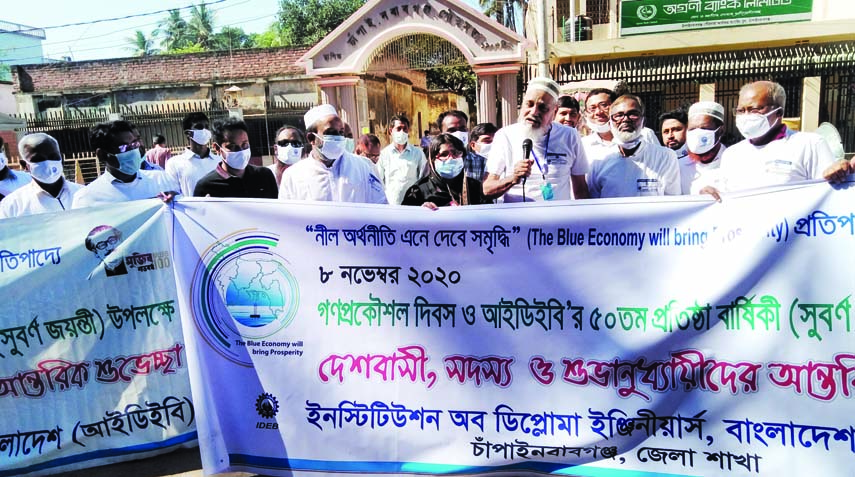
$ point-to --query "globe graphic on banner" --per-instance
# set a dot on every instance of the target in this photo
(256, 290)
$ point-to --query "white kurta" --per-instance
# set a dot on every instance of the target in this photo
(651, 170)
(187, 168)
(350, 179)
(797, 156)
(565, 157)
(32, 199)
(107, 189)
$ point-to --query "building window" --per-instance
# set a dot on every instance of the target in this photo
(598, 10)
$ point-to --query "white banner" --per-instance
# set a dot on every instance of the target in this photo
(621, 338)
(92, 362)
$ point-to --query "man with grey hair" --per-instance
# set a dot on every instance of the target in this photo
(330, 173)
(556, 166)
(48, 191)
(770, 154)
(634, 167)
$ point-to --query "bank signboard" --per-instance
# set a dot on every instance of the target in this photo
(658, 16)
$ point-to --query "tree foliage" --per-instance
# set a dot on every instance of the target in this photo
(140, 45)
(458, 79)
(306, 22)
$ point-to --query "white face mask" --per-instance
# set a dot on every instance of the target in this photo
(599, 128)
(237, 160)
(400, 137)
(46, 172)
(754, 125)
(332, 147)
(485, 149)
(289, 154)
(349, 144)
(3, 160)
(200, 136)
(129, 161)
(699, 141)
(463, 136)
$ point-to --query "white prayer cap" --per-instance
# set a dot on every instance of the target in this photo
(320, 111)
(543, 83)
(710, 108)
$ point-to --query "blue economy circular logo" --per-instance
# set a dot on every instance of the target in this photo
(242, 291)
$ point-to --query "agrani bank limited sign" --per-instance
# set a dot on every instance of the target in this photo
(658, 16)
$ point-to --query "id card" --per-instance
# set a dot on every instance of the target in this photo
(546, 191)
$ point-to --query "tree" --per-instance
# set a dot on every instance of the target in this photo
(173, 32)
(200, 28)
(458, 79)
(232, 38)
(306, 22)
(140, 45)
(505, 11)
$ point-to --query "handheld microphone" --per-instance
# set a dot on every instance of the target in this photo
(527, 145)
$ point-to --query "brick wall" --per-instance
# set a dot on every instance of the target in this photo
(158, 70)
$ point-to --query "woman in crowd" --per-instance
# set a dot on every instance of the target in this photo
(446, 184)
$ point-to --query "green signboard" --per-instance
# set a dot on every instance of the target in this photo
(657, 16)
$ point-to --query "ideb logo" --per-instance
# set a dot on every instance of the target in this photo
(266, 406)
(646, 12)
(241, 291)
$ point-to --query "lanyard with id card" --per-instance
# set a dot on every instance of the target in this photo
(545, 188)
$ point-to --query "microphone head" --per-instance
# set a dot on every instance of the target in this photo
(527, 145)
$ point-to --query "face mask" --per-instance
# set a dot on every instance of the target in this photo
(3, 160)
(349, 144)
(129, 161)
(485, 149)
(201, 136)
(237, 160)
(449, 169)
(599, 128)
(400, 137)
(462, 135)
(333, 147)
(289, 154)
(46, 172)
(700, 140)
(754, 125)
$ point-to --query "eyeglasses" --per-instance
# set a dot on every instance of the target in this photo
(232, 147)
(632, 115)
(102, 245)
(445, 155)
(604, 106)
(285, 143)
(128, 147)
(741, 111)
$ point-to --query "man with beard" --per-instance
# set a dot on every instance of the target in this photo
(672, 125)
(599, 143)
(700, 168)
(633, 167)
(330, 173)
(557, 162)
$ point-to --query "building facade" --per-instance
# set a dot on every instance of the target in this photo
(675, 52)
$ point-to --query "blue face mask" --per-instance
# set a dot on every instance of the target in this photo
(450, 168)
(129, 161)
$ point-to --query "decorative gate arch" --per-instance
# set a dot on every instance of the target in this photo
(495, 53)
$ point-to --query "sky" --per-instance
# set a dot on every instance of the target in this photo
(110, 39)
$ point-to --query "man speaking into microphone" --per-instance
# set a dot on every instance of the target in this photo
(536, 159)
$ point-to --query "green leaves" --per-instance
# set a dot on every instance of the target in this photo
(306, 22)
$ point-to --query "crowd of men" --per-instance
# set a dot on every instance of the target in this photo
(542, 157)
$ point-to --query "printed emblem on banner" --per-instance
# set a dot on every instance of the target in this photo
(103, 241)
(646, 12)
(266, 406)
(242, 292)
